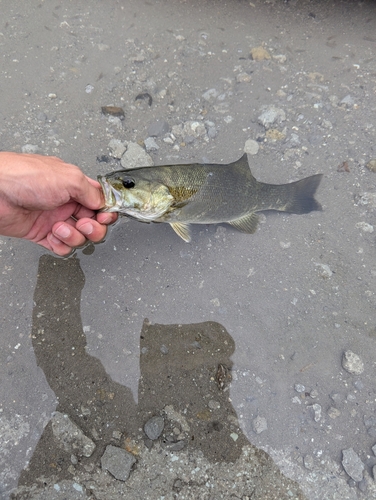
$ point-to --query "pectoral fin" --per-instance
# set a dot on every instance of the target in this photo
(182, 230)
(246, 224)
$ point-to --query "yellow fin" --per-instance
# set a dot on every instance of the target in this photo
(182, 230)
(246, 224)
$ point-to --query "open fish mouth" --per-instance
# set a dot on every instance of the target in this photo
(112, 197)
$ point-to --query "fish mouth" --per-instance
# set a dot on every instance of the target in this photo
(112, 197)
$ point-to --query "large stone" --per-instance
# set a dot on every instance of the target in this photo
(117, 462)
(70, 437)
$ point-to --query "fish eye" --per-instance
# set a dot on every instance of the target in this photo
(128, 183)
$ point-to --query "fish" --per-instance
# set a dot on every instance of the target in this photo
(181, 195)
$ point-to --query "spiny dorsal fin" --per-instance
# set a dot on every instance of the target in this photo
(182, 230)
(246, 224)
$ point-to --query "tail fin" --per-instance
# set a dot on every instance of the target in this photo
(301, 199)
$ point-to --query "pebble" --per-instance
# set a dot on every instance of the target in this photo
(210, 94)
(113, 111)
(317, 412)
(150, 144)
(333, 412)
(371, 165)
(154, 427)
(251, 147)
(348, 101)
(158, 128)
(374, 449)
(117, 462)
(352, 464)
(70, 437)
(117, 148)
(260, 54)
(326, 271)
(368, 199)
(259, 424)
(352, 363)
(136, 156)
(364, 226)
(30, 149)
(299, 387)
(271, 115)
(210, 129)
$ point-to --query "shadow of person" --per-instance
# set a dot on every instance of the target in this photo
(185, 375)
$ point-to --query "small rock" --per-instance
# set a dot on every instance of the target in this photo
(348, 101)
(352, 363)
(251, 147)
(333, 412)
(154, 427)
(150, 144)
(117, 148)
(371, 165)
(113, 111)
(210, 129)
(374, 449)
(30, 149)
(308, 462)
(70, 437)
(210, 94)
(243, 78)
(326, 271)
(176, 446)
(368, 199)
(352, 464)
(158, 128)
(259, 424)
(362, 485)
(316, 412)
(299, 387)
(135, 156)
(280, 58)
(89, 89)
(374, 472)
(260, 54)
(117, 462)
(271, 115)
(364, 226)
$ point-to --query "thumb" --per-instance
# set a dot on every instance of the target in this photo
(89, 194)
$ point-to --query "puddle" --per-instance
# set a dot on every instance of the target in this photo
(185, 375)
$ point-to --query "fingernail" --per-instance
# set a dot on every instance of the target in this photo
(63, 231)
(107, 219)
(86, 228)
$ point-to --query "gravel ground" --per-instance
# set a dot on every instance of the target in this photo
(254, 352)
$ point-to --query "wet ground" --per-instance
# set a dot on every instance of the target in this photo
(235, 340)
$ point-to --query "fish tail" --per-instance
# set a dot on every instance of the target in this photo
(301, 195)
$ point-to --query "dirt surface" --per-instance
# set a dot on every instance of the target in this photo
(237, 341)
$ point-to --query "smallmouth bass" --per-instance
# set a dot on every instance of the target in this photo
(203, 194)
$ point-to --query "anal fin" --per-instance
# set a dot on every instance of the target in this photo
(182, 230)
(246, 224)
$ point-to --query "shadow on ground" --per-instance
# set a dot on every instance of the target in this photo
(185, 378)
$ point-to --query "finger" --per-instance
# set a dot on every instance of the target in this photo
(68, 234)
(106, 218)
(91, 229)
(55, 245)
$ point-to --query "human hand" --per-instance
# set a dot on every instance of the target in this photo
(50, 202)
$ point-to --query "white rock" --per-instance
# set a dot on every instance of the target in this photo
(352, 363)
(259, 424)
(136, 156)
(251, 147)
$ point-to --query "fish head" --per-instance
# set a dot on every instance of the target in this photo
(132, 194)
